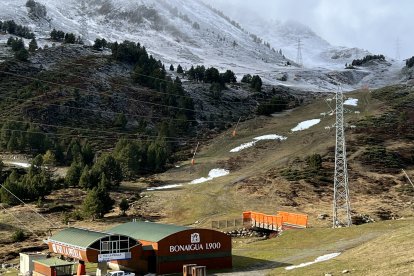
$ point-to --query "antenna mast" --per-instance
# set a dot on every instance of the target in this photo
(299, 59)
(341, 204)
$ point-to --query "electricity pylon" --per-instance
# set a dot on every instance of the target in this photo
(299, 59)
(341, 204)
(397, 49)
(83, 22)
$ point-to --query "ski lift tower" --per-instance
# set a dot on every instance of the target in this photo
(341, 204)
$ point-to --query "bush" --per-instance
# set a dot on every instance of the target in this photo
(18, 236)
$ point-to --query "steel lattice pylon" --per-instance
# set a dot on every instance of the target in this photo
(83, 22)
(341, 204)
(299, 59)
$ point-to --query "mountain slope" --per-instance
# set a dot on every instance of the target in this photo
(175, 31)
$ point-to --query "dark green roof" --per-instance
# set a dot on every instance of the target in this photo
(78, 237)
(53, 262)
(147, 231)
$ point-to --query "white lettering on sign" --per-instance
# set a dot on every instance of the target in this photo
(67, 251)
(114, 256)
(213, 245)
(194, 247)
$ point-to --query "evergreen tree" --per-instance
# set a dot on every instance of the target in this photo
(85, 179)
(92, 206)
(171, 67)
(70, 38)
(123, 206)
(87, 153)
(104, 197)
(73, 175)
(108, 165)
(33, 45)
(256, 83)
(247, 78)
(179, 69)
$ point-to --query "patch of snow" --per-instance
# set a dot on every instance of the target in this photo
(351, 101)
(270, 137)
(243, 146)
(214, 173)
(306, 124)
(317, 260)
(19, 164)
(166, 187)
(257, 139)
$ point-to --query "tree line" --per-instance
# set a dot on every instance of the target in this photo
(67, 38)
(11, 27)
(359, 62)
(254, 81)
(409, 62)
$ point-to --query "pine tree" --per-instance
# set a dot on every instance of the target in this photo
(33, 45)
(171, 67)
(179, 69)
(92, 206)
(85, 178)
(123, 206)
(73, 175)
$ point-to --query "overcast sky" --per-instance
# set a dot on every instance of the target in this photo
(375, 25)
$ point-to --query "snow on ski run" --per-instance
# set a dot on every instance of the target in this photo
(214, 173)
(257, 139)
(306, 124)
(19, 164)
(166, 187)
(351, 101)
(317, 260)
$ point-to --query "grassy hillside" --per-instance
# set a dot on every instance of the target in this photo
(372, 249)
(258, 179)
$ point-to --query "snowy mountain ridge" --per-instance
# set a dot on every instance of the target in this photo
(190, 32)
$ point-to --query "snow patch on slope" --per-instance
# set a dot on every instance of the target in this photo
(257, 139)
(214, 173)
(305, 125)
(351, 102)
(317, 260)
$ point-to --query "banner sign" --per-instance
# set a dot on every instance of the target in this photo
(114, 257)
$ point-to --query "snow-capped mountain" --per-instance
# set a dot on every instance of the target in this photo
(285, 36)
(190, 32)
(175, 31)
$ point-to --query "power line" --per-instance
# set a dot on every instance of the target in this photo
(98, 93)
(166, 81)
(45, 219)
(20, 222)
(117, 113)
